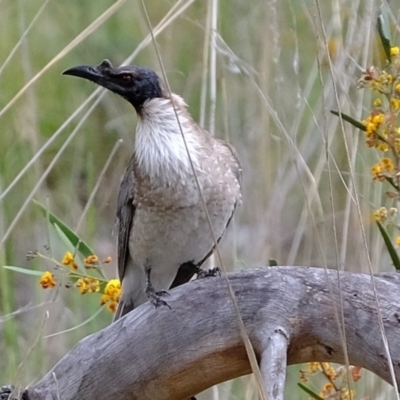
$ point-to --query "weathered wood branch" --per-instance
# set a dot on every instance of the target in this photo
(173, 354)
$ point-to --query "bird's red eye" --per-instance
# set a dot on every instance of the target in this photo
(126, 78)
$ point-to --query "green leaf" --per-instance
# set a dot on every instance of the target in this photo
(72, 237)
(24, 270)
(272, 263)
(389, 245)
(384, 31)
(310, 392)
(347, 118)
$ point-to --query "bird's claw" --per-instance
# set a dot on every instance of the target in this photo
(162, 293)
(216, 271)
(156, 300)
(155, 297)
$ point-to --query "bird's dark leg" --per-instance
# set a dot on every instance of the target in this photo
(154, 297)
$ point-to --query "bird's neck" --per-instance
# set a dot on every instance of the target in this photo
(160, 149)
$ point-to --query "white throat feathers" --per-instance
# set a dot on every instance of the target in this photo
(159, 147)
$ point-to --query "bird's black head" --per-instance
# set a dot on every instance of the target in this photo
(133, 83)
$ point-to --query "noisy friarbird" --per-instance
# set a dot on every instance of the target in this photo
(164, 235)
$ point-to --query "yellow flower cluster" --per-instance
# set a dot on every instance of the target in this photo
(329, 391)
(336, 387)
(383, 169)
(382, 83)
(394, 51)
(88, 284)
(313, 367)
(91, 261)
(329, 371)
(382, 130)
(395, 99)
(69, 260)
(112, 294)
(381, 214)
(47, 280)
(381, 125)
(375, 137)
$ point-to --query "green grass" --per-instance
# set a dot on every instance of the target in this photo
(274, 93)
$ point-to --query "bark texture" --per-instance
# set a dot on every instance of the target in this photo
(288, 312)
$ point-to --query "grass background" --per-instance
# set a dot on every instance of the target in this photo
(275, 71)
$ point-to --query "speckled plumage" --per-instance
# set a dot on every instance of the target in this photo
(162, 223)
(170, 227)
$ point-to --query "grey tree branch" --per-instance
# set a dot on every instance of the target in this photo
(162, 354)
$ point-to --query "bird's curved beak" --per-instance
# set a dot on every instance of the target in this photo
(92, 73)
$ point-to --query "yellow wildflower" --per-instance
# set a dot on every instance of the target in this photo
(377, 172)
(327, 390)
(398, 240)
(104, 299)
(47, 280)
(381, 214)
(395, 103)
(329, 371)
(397, 145)
(394, 51)
(377, 102)
(94, 285)
(372, 124)
(313, 366)
(93, 259)
(371, 128)
(397, 87)
(113, 288)
(387, 164)
(378, 119)
(346, 394)
(88, 284)
(69, 260)
(112, 294)
(112, 306)
(382, 146)
(393, 211)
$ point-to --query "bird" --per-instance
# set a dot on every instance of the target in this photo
(163, 231)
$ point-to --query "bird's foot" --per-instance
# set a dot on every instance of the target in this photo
(155, 297)
(201, 273)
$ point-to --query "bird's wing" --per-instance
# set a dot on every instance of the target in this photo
(125, 214)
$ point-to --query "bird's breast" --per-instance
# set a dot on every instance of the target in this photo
(219, 189)
(164, 194)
